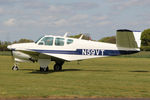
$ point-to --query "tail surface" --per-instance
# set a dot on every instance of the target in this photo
(128, 39)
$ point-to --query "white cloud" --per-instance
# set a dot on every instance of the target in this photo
(35, 5)
(103, 23)
(82, 21)
(10, 22)
(71, 8)
(58, 9)
(84, 5)
(100, 18)
(61, 22)
(128, 4)
(79, 17)
(121, 4)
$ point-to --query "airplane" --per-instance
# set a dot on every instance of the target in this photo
(62, 48)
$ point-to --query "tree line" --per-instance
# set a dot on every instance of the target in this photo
(145, 38)
(4, 44)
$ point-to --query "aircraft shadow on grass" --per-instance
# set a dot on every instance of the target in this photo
(64, 70)
(51, 71)
(140, 71)
(33, 71)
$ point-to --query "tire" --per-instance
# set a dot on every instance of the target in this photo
(15, 68)
(57, 67)
(44, 69)
(47, 69)
(41, 69)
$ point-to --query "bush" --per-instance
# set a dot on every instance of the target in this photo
(111, 39)
(145, 48)
(85, 36)
(145, 38)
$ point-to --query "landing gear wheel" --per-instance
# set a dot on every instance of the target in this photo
(57, 67)
(15, 68)
(44, 69)
(41, 69)
(47, 69)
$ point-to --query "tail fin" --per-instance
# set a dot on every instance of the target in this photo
(128, 39)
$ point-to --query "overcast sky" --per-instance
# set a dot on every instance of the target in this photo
(33, 18)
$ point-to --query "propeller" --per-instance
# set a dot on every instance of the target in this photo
(12, 56)
(10, 47)
(11, 50)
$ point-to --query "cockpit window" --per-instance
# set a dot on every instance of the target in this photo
(59, 41)
(69, 41)
(46, 41)
(38, 39)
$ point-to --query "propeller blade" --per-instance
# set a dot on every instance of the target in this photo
(12, 56)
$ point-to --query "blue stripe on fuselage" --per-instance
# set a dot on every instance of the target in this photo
(92, 52)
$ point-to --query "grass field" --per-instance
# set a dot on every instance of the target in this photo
(102, 77)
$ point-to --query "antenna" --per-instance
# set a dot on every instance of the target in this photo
(66, 34)
(81, 37)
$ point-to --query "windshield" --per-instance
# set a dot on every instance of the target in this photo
(46, 41)
(38, 39)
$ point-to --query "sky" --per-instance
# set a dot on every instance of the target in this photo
(32, 19)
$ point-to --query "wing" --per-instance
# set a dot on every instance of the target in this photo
(68, 57)
(61, 56)
(31, 53)
(37, 54)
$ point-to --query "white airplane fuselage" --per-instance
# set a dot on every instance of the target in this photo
(78, 50)
(61, 49)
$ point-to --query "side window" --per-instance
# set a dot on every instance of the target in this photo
(59, 41)
(69, 41)
(46, 41)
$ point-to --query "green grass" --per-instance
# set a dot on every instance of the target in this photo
(101, 77)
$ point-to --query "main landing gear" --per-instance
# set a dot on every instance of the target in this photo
(57, 67)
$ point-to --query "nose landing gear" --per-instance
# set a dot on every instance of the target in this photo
(15, 67)
(44, 69)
